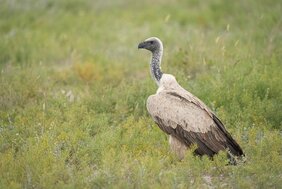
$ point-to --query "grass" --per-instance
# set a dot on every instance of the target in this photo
(74, 87)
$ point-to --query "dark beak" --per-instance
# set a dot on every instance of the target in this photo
(141, 45)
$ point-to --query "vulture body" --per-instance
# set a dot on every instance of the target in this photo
(184, 117)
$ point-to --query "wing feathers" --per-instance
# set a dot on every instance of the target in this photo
(232, 145)
(191, 123)
(207, 143)
(182, 115)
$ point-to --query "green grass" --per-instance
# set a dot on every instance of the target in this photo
(73, 88)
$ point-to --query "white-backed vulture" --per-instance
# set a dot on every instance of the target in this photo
(184, 117)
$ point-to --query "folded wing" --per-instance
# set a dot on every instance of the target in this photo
(182, 115)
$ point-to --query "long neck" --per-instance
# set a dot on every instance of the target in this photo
(155, 65)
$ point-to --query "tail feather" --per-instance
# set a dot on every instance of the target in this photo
(232, 145)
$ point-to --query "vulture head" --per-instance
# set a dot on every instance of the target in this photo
(152, 44)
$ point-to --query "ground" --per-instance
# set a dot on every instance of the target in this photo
(74, 87)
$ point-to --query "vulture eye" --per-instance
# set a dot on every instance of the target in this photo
(151, 42)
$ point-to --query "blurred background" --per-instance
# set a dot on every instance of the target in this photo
(73, 91)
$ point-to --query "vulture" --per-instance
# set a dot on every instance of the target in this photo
(183, 116)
